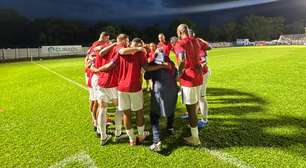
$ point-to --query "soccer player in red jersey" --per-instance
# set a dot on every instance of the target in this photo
(151, 54)
(96, 47)
(130, 96)
(190, 77)
(88, 61)
(164, 44)
(203, 104)
(108, 83)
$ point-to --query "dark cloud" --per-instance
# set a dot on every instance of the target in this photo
(151, 11)
(80, 9)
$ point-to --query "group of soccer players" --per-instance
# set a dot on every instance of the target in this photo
(114, 74)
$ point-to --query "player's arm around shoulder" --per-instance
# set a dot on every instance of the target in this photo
(150, 68)
(132, 50)
(107, 49)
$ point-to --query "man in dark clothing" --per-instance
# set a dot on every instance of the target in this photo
(163, 97)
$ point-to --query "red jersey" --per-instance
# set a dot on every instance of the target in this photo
(130, 71)
(151, 56)
(166, 47)
(89, 76)
(204, 48)
(90, 50)
(95, 44)
(109, 79)
(192, 75)
(98, 62)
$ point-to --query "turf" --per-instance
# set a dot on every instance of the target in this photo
(257, 113)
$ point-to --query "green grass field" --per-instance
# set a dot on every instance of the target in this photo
(257, 116)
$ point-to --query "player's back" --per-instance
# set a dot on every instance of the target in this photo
(130, 71)
(192, 74)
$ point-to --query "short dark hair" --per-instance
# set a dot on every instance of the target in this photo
(121, 37)
(137, 40)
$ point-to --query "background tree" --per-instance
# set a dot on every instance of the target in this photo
(18, 31)
(230, 31)
(262, 28)
(150, 34)
(15, 30)
(297, 27)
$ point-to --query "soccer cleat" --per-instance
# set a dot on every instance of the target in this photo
(103, 142)
(192, 141)
(141, 138)
(202, 123)
(156, 147)
(133, 143)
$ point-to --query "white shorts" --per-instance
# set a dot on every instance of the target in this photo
(191, 95)
(92, 96)
(130, 101)
(95, 87)
(204, 85)
(108, 94)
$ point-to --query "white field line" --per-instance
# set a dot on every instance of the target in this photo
(228, 158)
(61, 76)
(218, 154)
(82, 157)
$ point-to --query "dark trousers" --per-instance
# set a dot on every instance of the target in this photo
(155, 125)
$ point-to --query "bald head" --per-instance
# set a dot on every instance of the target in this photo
(182, 30)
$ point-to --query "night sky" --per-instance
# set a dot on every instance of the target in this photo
(148, 12)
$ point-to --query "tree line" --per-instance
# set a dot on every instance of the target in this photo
(19, 31)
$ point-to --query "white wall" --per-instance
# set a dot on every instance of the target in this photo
(35, 53)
